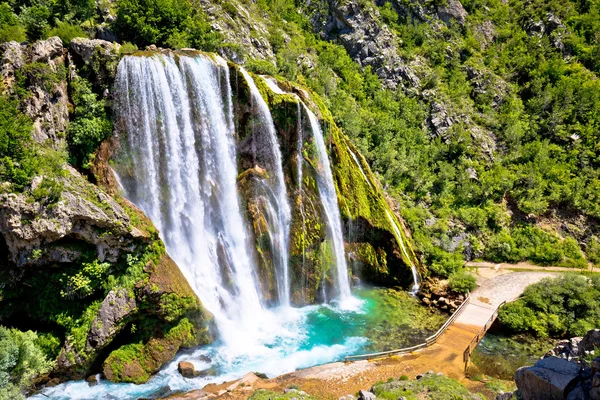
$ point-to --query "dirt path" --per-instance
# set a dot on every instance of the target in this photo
(331, 381)
(524, 266)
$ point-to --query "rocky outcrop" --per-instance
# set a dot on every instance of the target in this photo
(115, 308)
(565, 372)
(100, 58)
(36, 234)
(452, 11)
(552, 27)
(43, 74)
(549, 379)
(240, 24)
(368, 41)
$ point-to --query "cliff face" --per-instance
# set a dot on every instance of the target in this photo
(375, 251)
(83, 268)
(106, 291)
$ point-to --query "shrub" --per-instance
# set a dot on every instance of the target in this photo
(462, 282)
(10, 26)
(48, 192)
(558, 307)
(18, 162)
(36, 19)
(20, 361)
(172, 23)
(67, 32)
(90, 123)
(127, 48)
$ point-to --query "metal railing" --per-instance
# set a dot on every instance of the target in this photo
(469, 350)
(428, 341)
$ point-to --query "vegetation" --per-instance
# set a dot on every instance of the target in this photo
(20, 360)
(90, 123)
(430, 386)
(566, 306)
(462, 282)
(500, 356)
(169, 23)
(263, 394)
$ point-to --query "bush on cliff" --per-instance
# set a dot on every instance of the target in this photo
(18, 164)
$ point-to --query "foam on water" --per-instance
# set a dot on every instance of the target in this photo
(298, 338)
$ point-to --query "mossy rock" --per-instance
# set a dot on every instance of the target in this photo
(136, 362)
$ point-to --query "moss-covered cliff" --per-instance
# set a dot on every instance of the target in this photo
(86, 270)
(377, 252)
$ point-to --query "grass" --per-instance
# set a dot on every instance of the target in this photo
(262, 394)
(430, 386)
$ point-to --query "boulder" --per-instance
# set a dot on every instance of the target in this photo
(590, 341)
(111, 317)
(84, 214)
(549, 379)
(186, 369)
(100, 55)
(46, 50)
(365, 395)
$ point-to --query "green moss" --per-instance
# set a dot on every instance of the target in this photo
(136, 362)
(430, 386)
(263, 394)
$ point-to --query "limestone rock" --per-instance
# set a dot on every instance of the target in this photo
(453, 10)
(368, 41)
(115, 308)
(102, 56)
(84, 213)
(46, 50)
(47, 102)
(548, 379)
(13, 58)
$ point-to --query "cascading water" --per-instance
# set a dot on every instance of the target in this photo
(328, 196)
(400, 242)
(279, 220)
(177, 162)
(179, 126)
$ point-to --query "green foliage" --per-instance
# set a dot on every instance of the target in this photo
(462, 282)
(127, 48)
(90, 123)
(85, 281)
(561, 307)
(21, 360)
(170, 23)
(36, 20)
(10, 25)
(49, 344)
(527, 242)
(48, 192)
(67, 31)
(18, 164)
(430, 386)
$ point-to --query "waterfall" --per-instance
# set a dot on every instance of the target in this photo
(398, 235)
(362, 171)
(280, 220)
(328, 196)
(178, 165)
